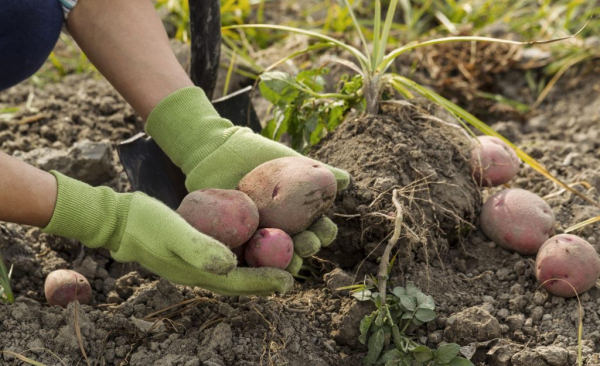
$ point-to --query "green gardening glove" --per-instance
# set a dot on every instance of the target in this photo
(135, 227)
(213, 153)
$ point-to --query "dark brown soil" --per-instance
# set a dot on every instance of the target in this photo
(410, 149)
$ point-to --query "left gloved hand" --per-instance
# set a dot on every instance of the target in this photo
(213, 153)
(135, 227)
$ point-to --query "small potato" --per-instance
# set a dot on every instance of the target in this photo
(64, 286)
(493, 162)
(227, 215)
(517, 220)
(569, 258)
(290, 193)
(269, 248)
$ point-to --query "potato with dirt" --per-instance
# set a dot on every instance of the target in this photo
(517, 220)
(567, 258)
(269, 248)
(290, 193)
(227, 215)
(493, 162)
(63, 286)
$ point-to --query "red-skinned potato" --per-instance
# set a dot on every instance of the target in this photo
(517, 220)
(227, 215)
(269, 248)
(569, 258)
(64, 286)
(290, 193)
(493, 162)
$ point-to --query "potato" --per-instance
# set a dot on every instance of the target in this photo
(290, 193)
(517, 220)
(493, 162)
(64, 286)
(227, 215)
(269, 248)
(570, 258)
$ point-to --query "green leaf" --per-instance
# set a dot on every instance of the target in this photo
(380, 318)
(365, 324)
(459, 361)
(446, 353)
(411, 289)
(7, 294)
(425, 315)
(377, 299)
(408, 302)
(364, 61)
(417, 322)
(399, 291)
(283, 87)
(425, 301)
(389, 356)
(422, 354)
(375, 346)
(397, 337)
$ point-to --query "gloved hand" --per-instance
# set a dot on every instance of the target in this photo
(135, 227)
(213, 153)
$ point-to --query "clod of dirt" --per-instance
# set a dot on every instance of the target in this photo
(91, 162)
(472, 325)
(407, 148)
(346, 324)
(541, 356)
(336, 279)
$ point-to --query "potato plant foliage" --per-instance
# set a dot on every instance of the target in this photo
(302, 110)
(387, 330)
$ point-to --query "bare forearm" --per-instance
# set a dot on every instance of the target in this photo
(126, 41)
(27, 194)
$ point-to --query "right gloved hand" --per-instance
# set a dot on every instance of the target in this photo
(213, 153)
(135, 227)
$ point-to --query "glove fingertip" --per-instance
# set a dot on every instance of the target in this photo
(342, 178)
(295, 264)
(306, 244)
(325, 229)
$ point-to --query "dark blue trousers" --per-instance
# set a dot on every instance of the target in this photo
(29, 30)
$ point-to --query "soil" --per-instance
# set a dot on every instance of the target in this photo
(486, 297)
(409, 147)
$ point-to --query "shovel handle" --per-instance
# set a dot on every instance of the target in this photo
(205, 29)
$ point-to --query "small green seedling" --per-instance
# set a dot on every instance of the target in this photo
(387, 331)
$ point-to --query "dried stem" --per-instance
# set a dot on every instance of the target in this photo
(382, 275)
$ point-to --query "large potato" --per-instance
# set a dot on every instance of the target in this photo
(227, 215)
(493, 162)
(569, 258)
(64, 286)
(269, 248)
(517, 220)
(290, 193)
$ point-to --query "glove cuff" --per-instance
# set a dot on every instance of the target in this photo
(96, 216)
(187, 127)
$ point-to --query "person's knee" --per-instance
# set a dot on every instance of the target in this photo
(29, 30)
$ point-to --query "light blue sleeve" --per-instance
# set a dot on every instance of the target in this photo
(67, 6)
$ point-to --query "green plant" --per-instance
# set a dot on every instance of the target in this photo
(388, 331)
(179, 16)
(6, 294)
(302, 109)
(373, 64)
